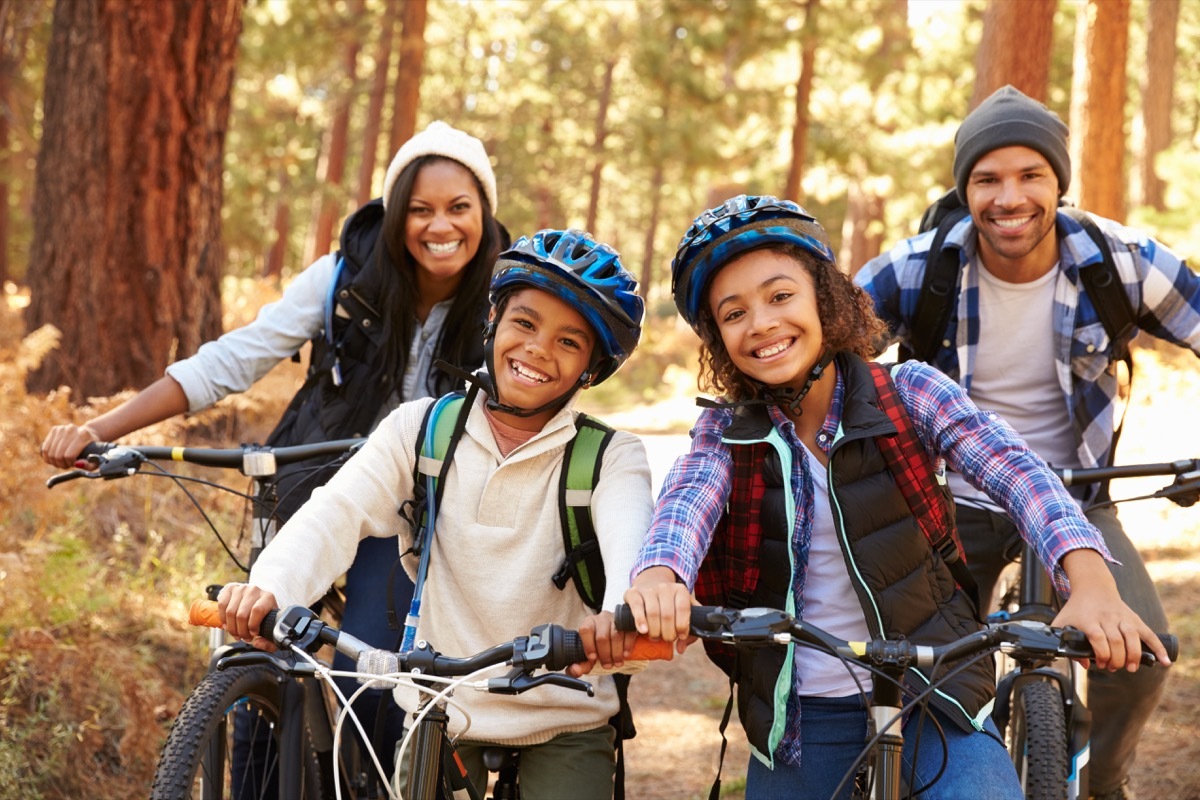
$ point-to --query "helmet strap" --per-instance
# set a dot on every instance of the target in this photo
(792, 398)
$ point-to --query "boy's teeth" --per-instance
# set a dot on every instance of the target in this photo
(536, 376)
(1012, 223)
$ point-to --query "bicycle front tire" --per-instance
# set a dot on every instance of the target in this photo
(1037, 739)
(198, 760)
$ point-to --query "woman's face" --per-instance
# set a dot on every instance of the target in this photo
(444, 223)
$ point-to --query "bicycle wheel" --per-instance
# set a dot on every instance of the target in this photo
(201, 759)
(1037, 740)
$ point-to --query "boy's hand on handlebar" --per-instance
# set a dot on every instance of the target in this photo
(242, 608)
(602, 643)
(64, 443)
(1116, 633)
(661, 607)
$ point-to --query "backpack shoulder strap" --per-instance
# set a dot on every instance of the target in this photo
(936, 300)
(1103, 285)
(924, 489)
(582, 461)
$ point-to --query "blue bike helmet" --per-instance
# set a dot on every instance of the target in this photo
(586, 275)
(739, 224)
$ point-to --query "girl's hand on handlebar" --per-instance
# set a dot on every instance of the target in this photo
(64, 443)
(1116, 633)
(661, 607)
(242, 608)
(602, 643)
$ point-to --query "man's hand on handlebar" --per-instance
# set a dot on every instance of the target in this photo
(242, 608)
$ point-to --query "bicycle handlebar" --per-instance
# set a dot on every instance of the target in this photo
(550, 646)
(1076, 477)
(110, 461)
(757, 627)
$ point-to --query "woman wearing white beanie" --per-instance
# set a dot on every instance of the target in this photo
(375, 313)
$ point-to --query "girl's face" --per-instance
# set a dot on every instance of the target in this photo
(542, 347)
(765, 307)
(444, 223)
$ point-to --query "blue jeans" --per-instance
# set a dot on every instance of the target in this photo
(833, 731)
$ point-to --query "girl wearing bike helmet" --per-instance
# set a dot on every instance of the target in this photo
(564, 317)
(799, 460)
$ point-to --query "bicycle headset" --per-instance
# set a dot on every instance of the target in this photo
(737, 226)
(586, 275)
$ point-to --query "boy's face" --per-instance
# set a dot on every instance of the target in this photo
(765, 307)
(542, 347)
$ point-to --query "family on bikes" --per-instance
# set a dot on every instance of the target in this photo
(847, 492)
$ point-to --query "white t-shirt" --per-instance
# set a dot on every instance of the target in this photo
(1015, 373)
(830, 602)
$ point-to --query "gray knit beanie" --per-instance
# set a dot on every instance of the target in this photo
(439, 139)
(1005, 119)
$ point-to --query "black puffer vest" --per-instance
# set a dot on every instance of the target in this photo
(324, 408)
(902, 584)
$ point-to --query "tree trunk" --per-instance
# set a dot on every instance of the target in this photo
(408, 76)
(277, 255)
(1158, 96)
(1098, 105)
(1018, 38)
(862, 230)
(656, 192)
(15, 27)
(794, 190)
(598, 136)
(383, 61)
(5, 160)
(329, 179)
(126, 258)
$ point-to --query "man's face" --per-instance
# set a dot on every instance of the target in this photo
(1012, 193)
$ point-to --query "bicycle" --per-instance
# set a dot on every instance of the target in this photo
(435, 770)
(877, 773)
(277, 712)
(1041, 705)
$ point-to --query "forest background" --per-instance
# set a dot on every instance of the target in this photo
(166, 164)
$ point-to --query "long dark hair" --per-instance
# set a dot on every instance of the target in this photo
(398, 286)
(848, 323)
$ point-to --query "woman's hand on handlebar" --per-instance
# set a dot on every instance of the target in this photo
(242, 608)
(1116, 633)
(602, 643)
(661, 607)
(64, 443)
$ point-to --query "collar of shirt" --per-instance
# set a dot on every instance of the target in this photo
(829, 429)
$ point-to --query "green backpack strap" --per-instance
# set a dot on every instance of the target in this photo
(580, 473)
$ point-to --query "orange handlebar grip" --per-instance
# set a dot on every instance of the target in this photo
(645, 649)
(203, 613)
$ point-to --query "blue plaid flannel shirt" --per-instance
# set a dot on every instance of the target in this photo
(1163, 290)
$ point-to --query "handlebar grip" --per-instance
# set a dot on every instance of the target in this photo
(1171, 642)
(623, 617)
(96, 449)
(647, 649)
(204, 614)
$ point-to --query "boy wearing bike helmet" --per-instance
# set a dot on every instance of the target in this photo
(799, 459)
(565, 315)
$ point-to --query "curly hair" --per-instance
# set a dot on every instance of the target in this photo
(848, 323)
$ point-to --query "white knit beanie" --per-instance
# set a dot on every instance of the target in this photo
(439, 139)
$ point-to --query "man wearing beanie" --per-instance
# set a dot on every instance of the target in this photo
(1025, 340)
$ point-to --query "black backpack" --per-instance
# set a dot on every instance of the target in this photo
(939, 288)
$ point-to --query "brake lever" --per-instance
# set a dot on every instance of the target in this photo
(287, 664)
(517, 681)
(63, 477)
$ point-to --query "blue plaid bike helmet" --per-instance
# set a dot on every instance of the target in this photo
(586, 275)
(736, 226)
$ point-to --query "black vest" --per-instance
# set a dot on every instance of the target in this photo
(906, 590)
(323, 409)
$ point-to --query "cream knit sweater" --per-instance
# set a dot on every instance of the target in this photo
(496, 545)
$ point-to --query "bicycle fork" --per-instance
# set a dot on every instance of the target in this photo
(889, 750)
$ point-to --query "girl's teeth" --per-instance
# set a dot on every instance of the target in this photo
(772, 350)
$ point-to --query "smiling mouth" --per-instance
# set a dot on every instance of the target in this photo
(443, 248)
(1011, 224)
(774, 349)
(528, 373)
